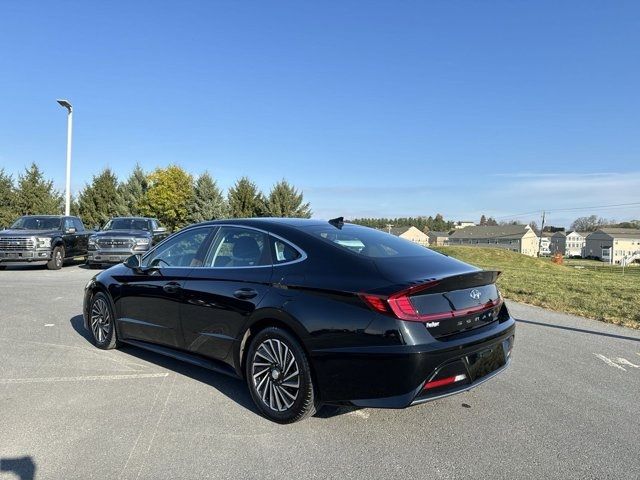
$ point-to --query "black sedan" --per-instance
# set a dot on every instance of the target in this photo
(308, 312)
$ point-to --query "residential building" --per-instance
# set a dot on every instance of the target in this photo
(410, 233)
(575, 243)
(545, 244)
(463, 224)
(518, 238)
(558, 243)
(438, 239)
(613, 245)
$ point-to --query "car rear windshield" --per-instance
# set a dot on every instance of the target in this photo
(36, 223)
(127, 224)
(368, 241)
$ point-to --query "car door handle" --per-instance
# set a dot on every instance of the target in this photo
(245, 293)
(171, 287)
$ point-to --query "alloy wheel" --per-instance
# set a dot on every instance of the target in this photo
(58, 258)
(100, 320)
(276, 375)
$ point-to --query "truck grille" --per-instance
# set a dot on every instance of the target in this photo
(115, 243)
(14, 244)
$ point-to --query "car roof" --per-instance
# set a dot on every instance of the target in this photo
(299, 223)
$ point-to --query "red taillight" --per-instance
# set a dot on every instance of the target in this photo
(402, 307)
(441, 382)
(375, 302)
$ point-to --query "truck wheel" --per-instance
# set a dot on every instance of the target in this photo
(57, 258)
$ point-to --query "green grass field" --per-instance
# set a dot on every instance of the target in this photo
(602, 294)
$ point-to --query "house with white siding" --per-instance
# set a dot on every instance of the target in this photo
(613, 245)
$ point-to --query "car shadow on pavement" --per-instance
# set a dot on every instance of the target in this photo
(22, 467)
(581, 330)
(233, 388)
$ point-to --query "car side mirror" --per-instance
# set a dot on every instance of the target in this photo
(96, 228)
(134, 262)
(71, 230)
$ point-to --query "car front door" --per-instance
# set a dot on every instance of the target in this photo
(69, 238)
(219, 298)
(149, 299)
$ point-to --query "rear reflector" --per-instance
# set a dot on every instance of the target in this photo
(441, 382)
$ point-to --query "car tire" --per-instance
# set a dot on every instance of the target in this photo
(279, 376)
(102, 322)
(57, 258)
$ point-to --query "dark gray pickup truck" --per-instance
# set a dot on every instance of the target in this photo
(47, 239)
(122, 237)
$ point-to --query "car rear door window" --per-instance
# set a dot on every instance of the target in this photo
(283, 252)
(239, 247)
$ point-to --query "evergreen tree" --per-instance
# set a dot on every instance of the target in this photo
(134, 190)
(169, 197)
(245, 200)
(483, 220)
(101, 200)
(35, 195)
(208, 203)
(285, 201)
(7, 216)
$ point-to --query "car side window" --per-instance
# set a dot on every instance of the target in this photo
(283, 252)
(68, 224)
(239, 247)
(186, 249)
(78, 224)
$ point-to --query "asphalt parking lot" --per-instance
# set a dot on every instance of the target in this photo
(568, 407)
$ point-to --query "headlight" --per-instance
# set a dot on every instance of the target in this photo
(43, 242)
(92, 241)
(142, 244)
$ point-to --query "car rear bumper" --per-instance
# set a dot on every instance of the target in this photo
(395, 377)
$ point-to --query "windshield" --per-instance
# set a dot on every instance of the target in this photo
(368, 241)
(37, 223)
(127, 224)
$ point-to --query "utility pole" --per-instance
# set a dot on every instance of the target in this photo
(541, 231)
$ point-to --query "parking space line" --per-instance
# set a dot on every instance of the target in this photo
(92, 351)
(609, 362)
(86, 378)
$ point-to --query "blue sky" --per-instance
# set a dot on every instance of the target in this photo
(373, 108)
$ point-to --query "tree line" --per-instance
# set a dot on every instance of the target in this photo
(425, 224)
(170, 194)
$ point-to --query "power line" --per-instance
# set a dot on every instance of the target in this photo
(617, 205)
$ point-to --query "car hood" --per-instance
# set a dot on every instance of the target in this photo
(29, 233)
(122, 233)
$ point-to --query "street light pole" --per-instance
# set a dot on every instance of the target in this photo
(67, 199)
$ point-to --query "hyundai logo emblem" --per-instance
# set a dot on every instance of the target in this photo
(475, 294)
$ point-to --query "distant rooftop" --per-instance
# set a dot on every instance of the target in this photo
(485, 231)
